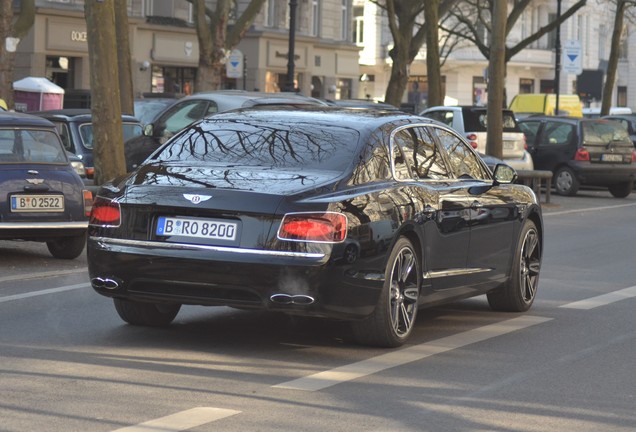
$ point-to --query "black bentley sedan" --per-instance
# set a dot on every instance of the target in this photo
(354, 215)
(42, 198)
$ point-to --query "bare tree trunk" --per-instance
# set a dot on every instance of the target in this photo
(496, 77)
(126, 93)
(612, 65)
(11, 29)
(433, 67)
(108, 150)
(211, 45)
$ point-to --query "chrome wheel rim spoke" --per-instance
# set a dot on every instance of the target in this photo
(530, 265)
(403, 292)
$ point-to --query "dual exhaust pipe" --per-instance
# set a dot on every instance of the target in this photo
(106, 283)
(287, 299)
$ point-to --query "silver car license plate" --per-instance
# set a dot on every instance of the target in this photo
(197, 228)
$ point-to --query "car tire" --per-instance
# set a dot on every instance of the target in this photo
(146, 314)
(565, 182)
(67, 247)
(621, 190)
(393, 319)
(519, 292)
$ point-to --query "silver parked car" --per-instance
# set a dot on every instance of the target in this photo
(470, 121)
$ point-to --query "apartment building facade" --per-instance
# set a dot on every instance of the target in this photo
(164, 48)
(531, 71)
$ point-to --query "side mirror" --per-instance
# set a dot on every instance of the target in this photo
(504, 174)
(149, 129)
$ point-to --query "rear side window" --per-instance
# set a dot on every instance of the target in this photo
(556, 133)
(603, 133)
(477, 121)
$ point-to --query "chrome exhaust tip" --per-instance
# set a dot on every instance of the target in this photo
(286, 299)
(104, 283)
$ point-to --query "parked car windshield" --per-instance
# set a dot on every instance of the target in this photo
(603, 132)
(130, 130)
(31, 145)
(276, 144)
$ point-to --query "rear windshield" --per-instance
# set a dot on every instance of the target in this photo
(31, 146)
(275, 144)
(604, 132)
(476, 121)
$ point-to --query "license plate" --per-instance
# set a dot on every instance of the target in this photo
(197, 228)
(612, 158)
(37, 203)
(508, 145)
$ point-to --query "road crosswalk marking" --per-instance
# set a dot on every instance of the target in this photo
(181, 421)
(602, 300)
(322, 380)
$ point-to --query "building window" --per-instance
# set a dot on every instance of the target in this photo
(602, 41)
(315, 17)
(358, 25)
(621, 96)
(526, 85)
(344, 16)
(623, 51)
(480, 94)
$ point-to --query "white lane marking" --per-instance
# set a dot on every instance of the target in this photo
(40, 275)
(395, 358)
(602, 300)
(43, 292)
(182, 420)
(587, 209)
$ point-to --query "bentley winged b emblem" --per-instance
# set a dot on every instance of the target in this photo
(196, 199)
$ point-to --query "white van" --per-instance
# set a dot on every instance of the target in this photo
(596, 112)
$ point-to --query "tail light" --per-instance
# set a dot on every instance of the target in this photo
(633, 156)
(525, 142)
(472, 140)
(327, 227)
(582, 155)
(88, 202)
(105, 212)
(90, 172)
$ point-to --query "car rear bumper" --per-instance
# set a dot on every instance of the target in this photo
(296, 283)
(520, 164)
(596, 174)
(41, 230)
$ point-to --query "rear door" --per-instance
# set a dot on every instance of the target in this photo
(490, 213)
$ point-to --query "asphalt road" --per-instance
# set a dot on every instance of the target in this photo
(68, 363)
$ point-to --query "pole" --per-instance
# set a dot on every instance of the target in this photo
(290, 87)
(557, 67)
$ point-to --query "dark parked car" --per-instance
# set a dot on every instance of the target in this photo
(351, 214)
(43, 198)
(147, 109)
(75, 127)
(192, 108)
(580, 151)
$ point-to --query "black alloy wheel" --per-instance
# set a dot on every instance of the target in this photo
(393, 319)
(519, 292)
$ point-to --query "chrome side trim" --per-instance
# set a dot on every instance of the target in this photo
(193, 247)
(43, 225)
(454, 272)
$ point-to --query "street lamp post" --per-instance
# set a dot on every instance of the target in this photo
(557, 66)
(292, 41)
